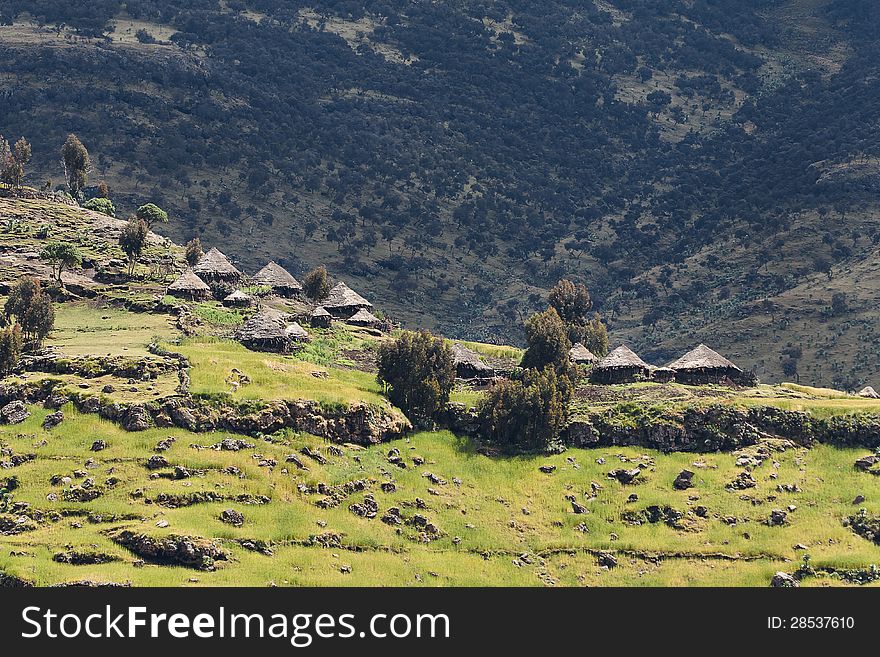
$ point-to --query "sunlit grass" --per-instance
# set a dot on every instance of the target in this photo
(94, 329)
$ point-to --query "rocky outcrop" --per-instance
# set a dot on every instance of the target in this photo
(189, 551)
(719, 428)
(14, 412)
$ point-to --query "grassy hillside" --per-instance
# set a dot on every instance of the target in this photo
(707, 168)
(501, 521)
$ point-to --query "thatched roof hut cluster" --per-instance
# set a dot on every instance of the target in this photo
(189, 286)
(215, 267)
(468, 364)
(320, 318)
(580, 355)
(700, 366)
(342, 302)
(278, 279)
(269, 330)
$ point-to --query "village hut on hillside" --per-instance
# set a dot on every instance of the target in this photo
(621, 366)
(868, 392)
(278, 279)
(702, 365)
(296, 333)
(662, 374)
(216, 267)
(468, 364)
(320, 318)
(238, 299)
(189, 286)
(343, 302)
(268, 330)
(364, 317)
(580, 355)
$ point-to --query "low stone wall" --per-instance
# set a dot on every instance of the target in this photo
(358, 423)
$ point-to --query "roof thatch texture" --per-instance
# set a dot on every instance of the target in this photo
(342, 296)
(702, 358)
(276, 276)
(363, 317)
(868, 392)
(580, 354)
(320, 311)
(297, 332)
(267, 324)
(189, 282)
(238, 298)
(469, 362)
(216, 265)
(622, 357)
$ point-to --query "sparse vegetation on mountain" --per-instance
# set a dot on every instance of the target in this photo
(193, 252)
(132, 240)
(151, 214)
(11, 346)
(61, 256)
(77, 164)
(315, 283)
(419, 371)
(30, 307)
(102, 205)
(528, 412)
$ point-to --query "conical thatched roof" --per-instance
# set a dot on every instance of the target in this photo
(623, 356)
(276, 276)
(214, 263)
(469, 359)
(702, 358)
(363, 316)
(238, 297)
(189, 283)
(868, 392)
(580, 354)
(267, 324)
(297, 332)
(342, 296)
(320, 311)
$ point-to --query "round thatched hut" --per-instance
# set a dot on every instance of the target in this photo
(662, 374)
(278, 279)
(868, 392)
(343, 302)
(189, 286)
(701, 366)
(364, 317)
(320, 318)
(469, 365)
(238, 299)
(266, 331)
(580, 355)
(216, 267)
(296, 333)
(621, 366)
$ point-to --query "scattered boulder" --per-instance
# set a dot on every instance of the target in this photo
(858, 499)
(684, 480)
(165, 444)
(75, 558)
(53, 420)
(157, 461)
(865, 463)
(14, 412)
(232, 517)
(783, 580)
(606, 560)
(743, 481)
(136, 418)
(369, 508)
(624, 476)
(777, 518)
(547, 469)
(577, 507)
(98, 445)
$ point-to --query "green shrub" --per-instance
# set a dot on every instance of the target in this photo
(102, 205)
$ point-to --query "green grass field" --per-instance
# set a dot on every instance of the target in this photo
(502, 520)
(273, 376)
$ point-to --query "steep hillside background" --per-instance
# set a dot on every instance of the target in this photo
(711, 170)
